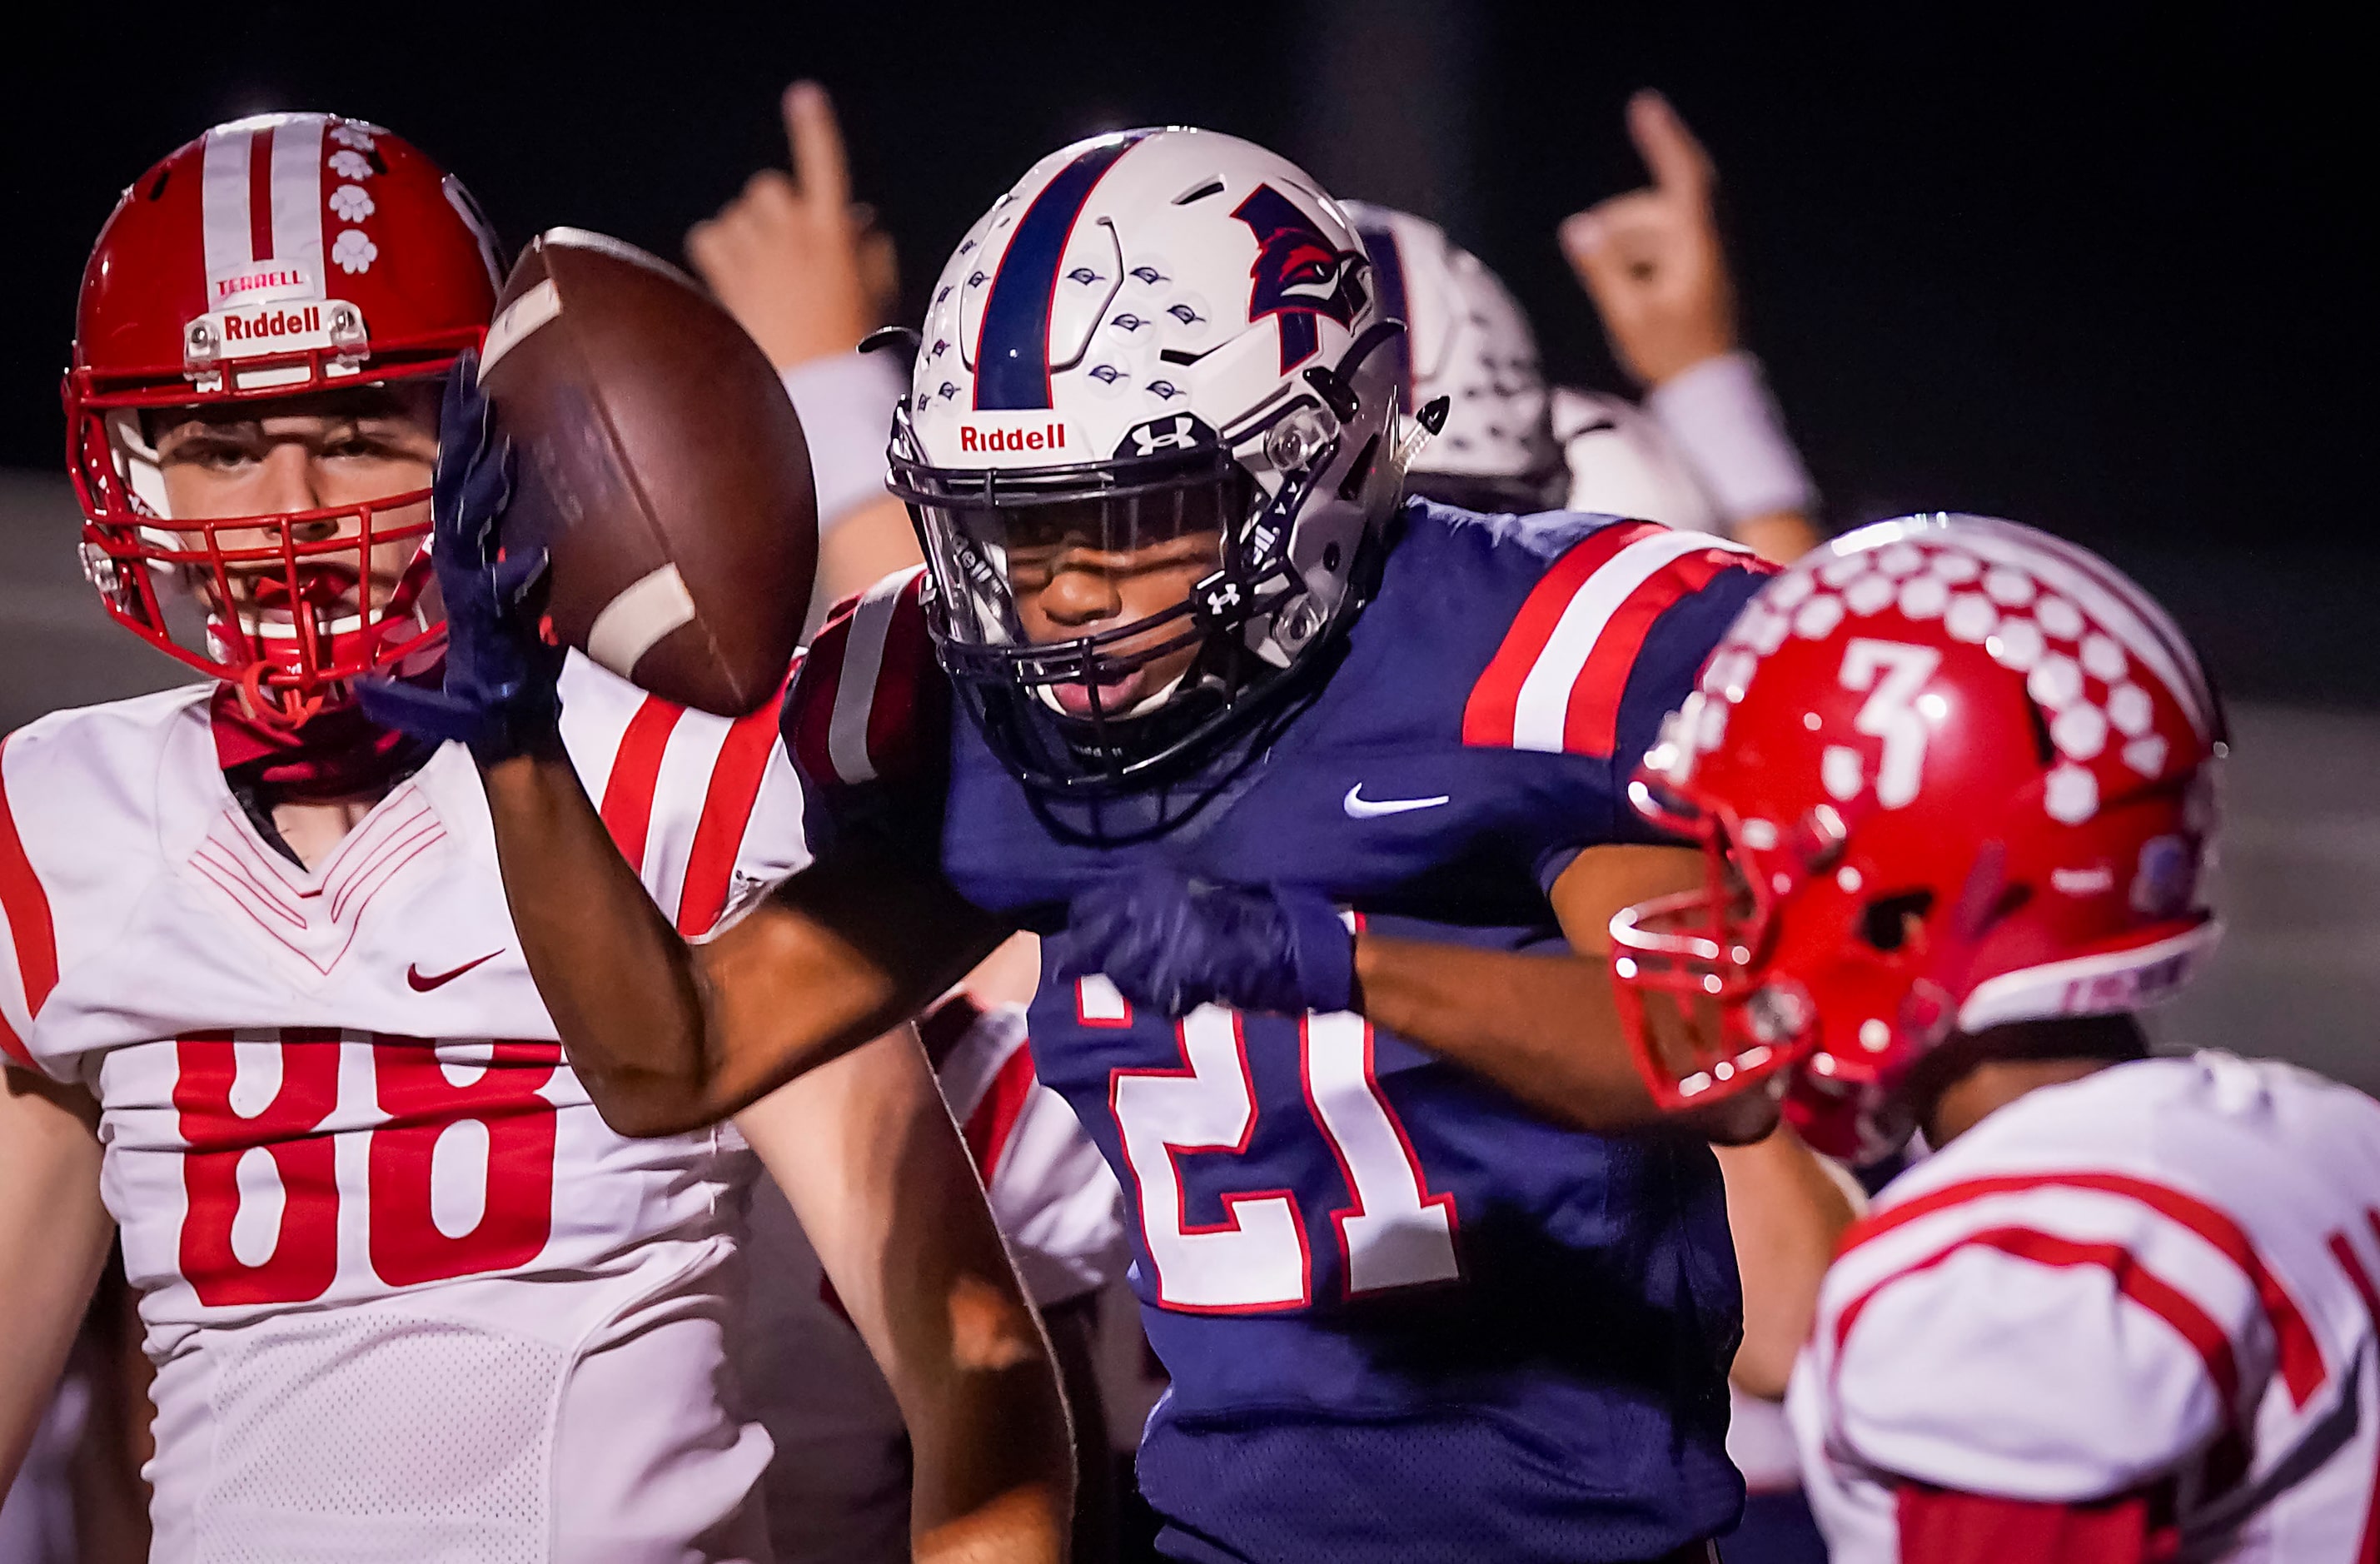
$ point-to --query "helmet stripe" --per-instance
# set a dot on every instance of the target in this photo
(1389, 271)
(223, 202)
(1012, 354)
(298, 193)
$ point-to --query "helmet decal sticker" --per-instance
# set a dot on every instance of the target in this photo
(353, 252)
(1298, 274)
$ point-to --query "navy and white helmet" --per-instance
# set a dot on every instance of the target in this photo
(1164, 331)
(1466, 340)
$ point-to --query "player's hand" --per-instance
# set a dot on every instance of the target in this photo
(1651, 259)
(499, 696)
(799, 267)
(1171, 943)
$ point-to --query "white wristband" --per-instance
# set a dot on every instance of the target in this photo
(845, 403)
(1721, 416)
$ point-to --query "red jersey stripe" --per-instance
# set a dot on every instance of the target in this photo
(2299, 1352)
(28, 907)
(994, 1119)
(2134, 1280)
(1488, 716)
(628, 808)
(1591, 724)
(726, 810)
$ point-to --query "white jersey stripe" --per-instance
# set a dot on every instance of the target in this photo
(688, 761)
(223, 204)
(297, 192)
(1543, 705)
(854, 690)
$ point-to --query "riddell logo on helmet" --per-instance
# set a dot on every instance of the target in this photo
(271, 325)
(1049, 434)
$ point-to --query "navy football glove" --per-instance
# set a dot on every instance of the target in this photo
(1172, 943)
(500, 674)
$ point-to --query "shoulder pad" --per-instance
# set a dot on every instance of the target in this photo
(1556, 682)
(2053, 1334)
(869, 702)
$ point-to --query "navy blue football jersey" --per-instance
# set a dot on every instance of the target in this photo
(1404, 1317)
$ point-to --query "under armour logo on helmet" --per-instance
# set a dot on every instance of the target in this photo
(1166, 434)
(1179, 432)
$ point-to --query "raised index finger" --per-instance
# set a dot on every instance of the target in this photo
(1677, 160)
(819, 165)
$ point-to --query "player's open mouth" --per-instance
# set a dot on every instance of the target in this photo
(1116, 695)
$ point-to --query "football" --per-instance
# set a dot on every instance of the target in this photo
(660, 463)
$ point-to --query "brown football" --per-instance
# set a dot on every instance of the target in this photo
(659, 462)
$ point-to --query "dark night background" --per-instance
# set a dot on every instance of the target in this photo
(2096, 269)
(2092, 270)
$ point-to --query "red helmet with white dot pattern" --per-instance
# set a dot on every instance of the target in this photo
(1949, 774)
(281, 255)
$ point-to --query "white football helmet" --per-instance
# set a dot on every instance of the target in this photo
(1467, 340)
(1621, 463)
(1154, 334)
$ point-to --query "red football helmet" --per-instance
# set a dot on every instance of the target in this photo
(1949, 773)
(273, 256)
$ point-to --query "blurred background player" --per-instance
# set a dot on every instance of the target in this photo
(261, 1007)
(1955, 779)
(807, 274)
(1156, 366)
(1654, 264)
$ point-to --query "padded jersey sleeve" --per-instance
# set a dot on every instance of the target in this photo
(1608, 641)
(867, 723)
(2054, 1339)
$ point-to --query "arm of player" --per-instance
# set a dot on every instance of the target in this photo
(53, 1236)
(1654, 264)
(865, 1152)
(1544, 1028)
(807, 274)
(1787, 1207)
(669, 1035)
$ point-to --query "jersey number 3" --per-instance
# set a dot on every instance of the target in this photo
(1393, 1234)
(237, 1250)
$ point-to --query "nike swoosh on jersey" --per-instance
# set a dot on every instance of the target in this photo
(1359, 808)
(421, 983)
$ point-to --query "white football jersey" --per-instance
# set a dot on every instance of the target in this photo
(409, 1298)
(2161, 1277)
